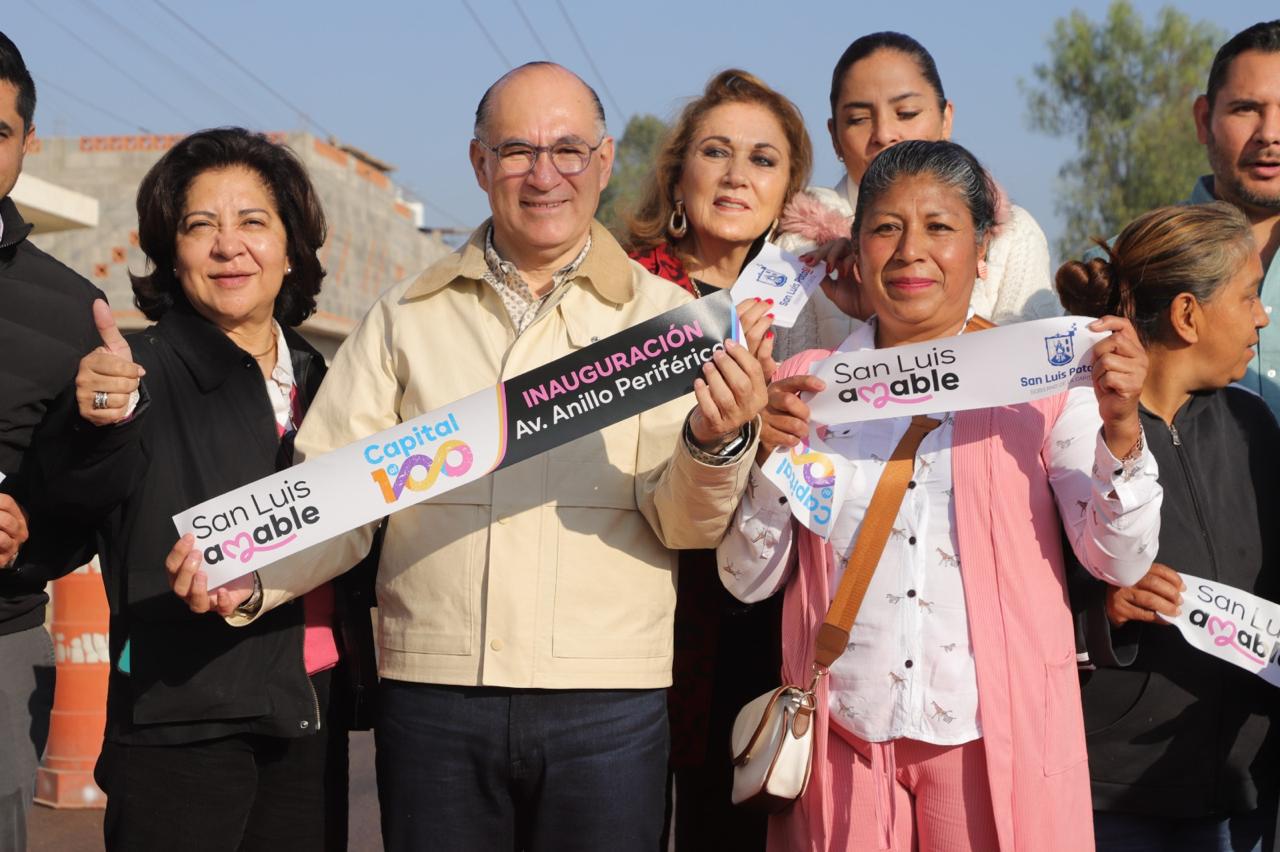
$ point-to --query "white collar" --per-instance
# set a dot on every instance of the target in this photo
(282, 373)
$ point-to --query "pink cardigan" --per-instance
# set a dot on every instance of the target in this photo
(1010, 540)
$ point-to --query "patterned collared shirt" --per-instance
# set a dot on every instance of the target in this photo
(521, 304)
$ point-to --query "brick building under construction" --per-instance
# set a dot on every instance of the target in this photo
(375, 237)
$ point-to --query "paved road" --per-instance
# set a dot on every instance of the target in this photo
(52, 830)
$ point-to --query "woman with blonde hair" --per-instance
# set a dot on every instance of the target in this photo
(733, 158)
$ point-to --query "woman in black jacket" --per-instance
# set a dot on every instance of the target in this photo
(1178, 740)
(217, 738)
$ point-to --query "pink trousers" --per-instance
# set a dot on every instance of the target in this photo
(909, 796)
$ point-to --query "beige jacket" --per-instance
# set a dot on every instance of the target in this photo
(554, 572)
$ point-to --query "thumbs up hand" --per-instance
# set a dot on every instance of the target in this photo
(107, 375)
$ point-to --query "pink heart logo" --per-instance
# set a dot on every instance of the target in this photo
(866, 393)
(239, 547)
(1222, 630)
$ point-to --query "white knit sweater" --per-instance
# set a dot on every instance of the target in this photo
(1018, 285)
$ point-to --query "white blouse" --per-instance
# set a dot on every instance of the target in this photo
(280, 384)
(909, 668)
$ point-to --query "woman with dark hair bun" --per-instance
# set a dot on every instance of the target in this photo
(217, 738)
(951, 721)
(1179, 751)
(885, 89)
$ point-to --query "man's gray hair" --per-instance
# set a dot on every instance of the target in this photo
(948, 163)
(485, 107)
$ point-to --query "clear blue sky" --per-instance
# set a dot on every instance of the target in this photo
(401, 79)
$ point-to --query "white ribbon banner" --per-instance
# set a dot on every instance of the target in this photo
(259, 523)
(815, 480)
(1232, 625)
(637, 369)
(781, 276)
(1000, 366)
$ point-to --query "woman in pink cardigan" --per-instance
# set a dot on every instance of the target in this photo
(952, 721)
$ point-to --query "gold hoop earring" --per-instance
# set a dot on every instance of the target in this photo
(677, 232)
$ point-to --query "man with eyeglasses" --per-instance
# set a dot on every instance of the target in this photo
(526, 619)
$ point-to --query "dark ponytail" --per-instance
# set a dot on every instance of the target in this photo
(1165, 252)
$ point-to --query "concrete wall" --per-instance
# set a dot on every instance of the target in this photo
(373, 239)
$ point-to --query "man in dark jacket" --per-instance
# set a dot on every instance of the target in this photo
(46, 325)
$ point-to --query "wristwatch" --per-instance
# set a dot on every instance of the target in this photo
(722, 453)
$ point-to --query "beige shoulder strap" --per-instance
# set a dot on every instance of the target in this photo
(833, 636)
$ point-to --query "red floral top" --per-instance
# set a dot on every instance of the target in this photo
(662, 262)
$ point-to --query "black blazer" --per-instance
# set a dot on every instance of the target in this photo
(204, 427)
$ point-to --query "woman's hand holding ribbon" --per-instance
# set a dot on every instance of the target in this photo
(786, 416)
(191, 584)
(1158, 592)
(1119, 371)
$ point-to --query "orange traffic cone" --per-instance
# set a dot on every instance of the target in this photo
(80, 618)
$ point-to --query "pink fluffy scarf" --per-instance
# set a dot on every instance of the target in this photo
(808, 217)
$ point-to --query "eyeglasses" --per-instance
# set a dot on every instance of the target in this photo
(519, 158)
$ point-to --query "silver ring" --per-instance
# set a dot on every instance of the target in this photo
(99, 399)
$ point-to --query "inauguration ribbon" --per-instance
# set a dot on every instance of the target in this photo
(1232, 625)
(1000, 366)
(621, 376)
(601, 384)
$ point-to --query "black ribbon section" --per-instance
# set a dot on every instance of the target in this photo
(629, 373)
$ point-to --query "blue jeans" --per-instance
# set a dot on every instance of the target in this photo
(1250, 832)
(480, 768)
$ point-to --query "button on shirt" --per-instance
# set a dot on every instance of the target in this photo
(908, 670)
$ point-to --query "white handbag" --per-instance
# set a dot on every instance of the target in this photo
(773, 748)
(772, 742)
